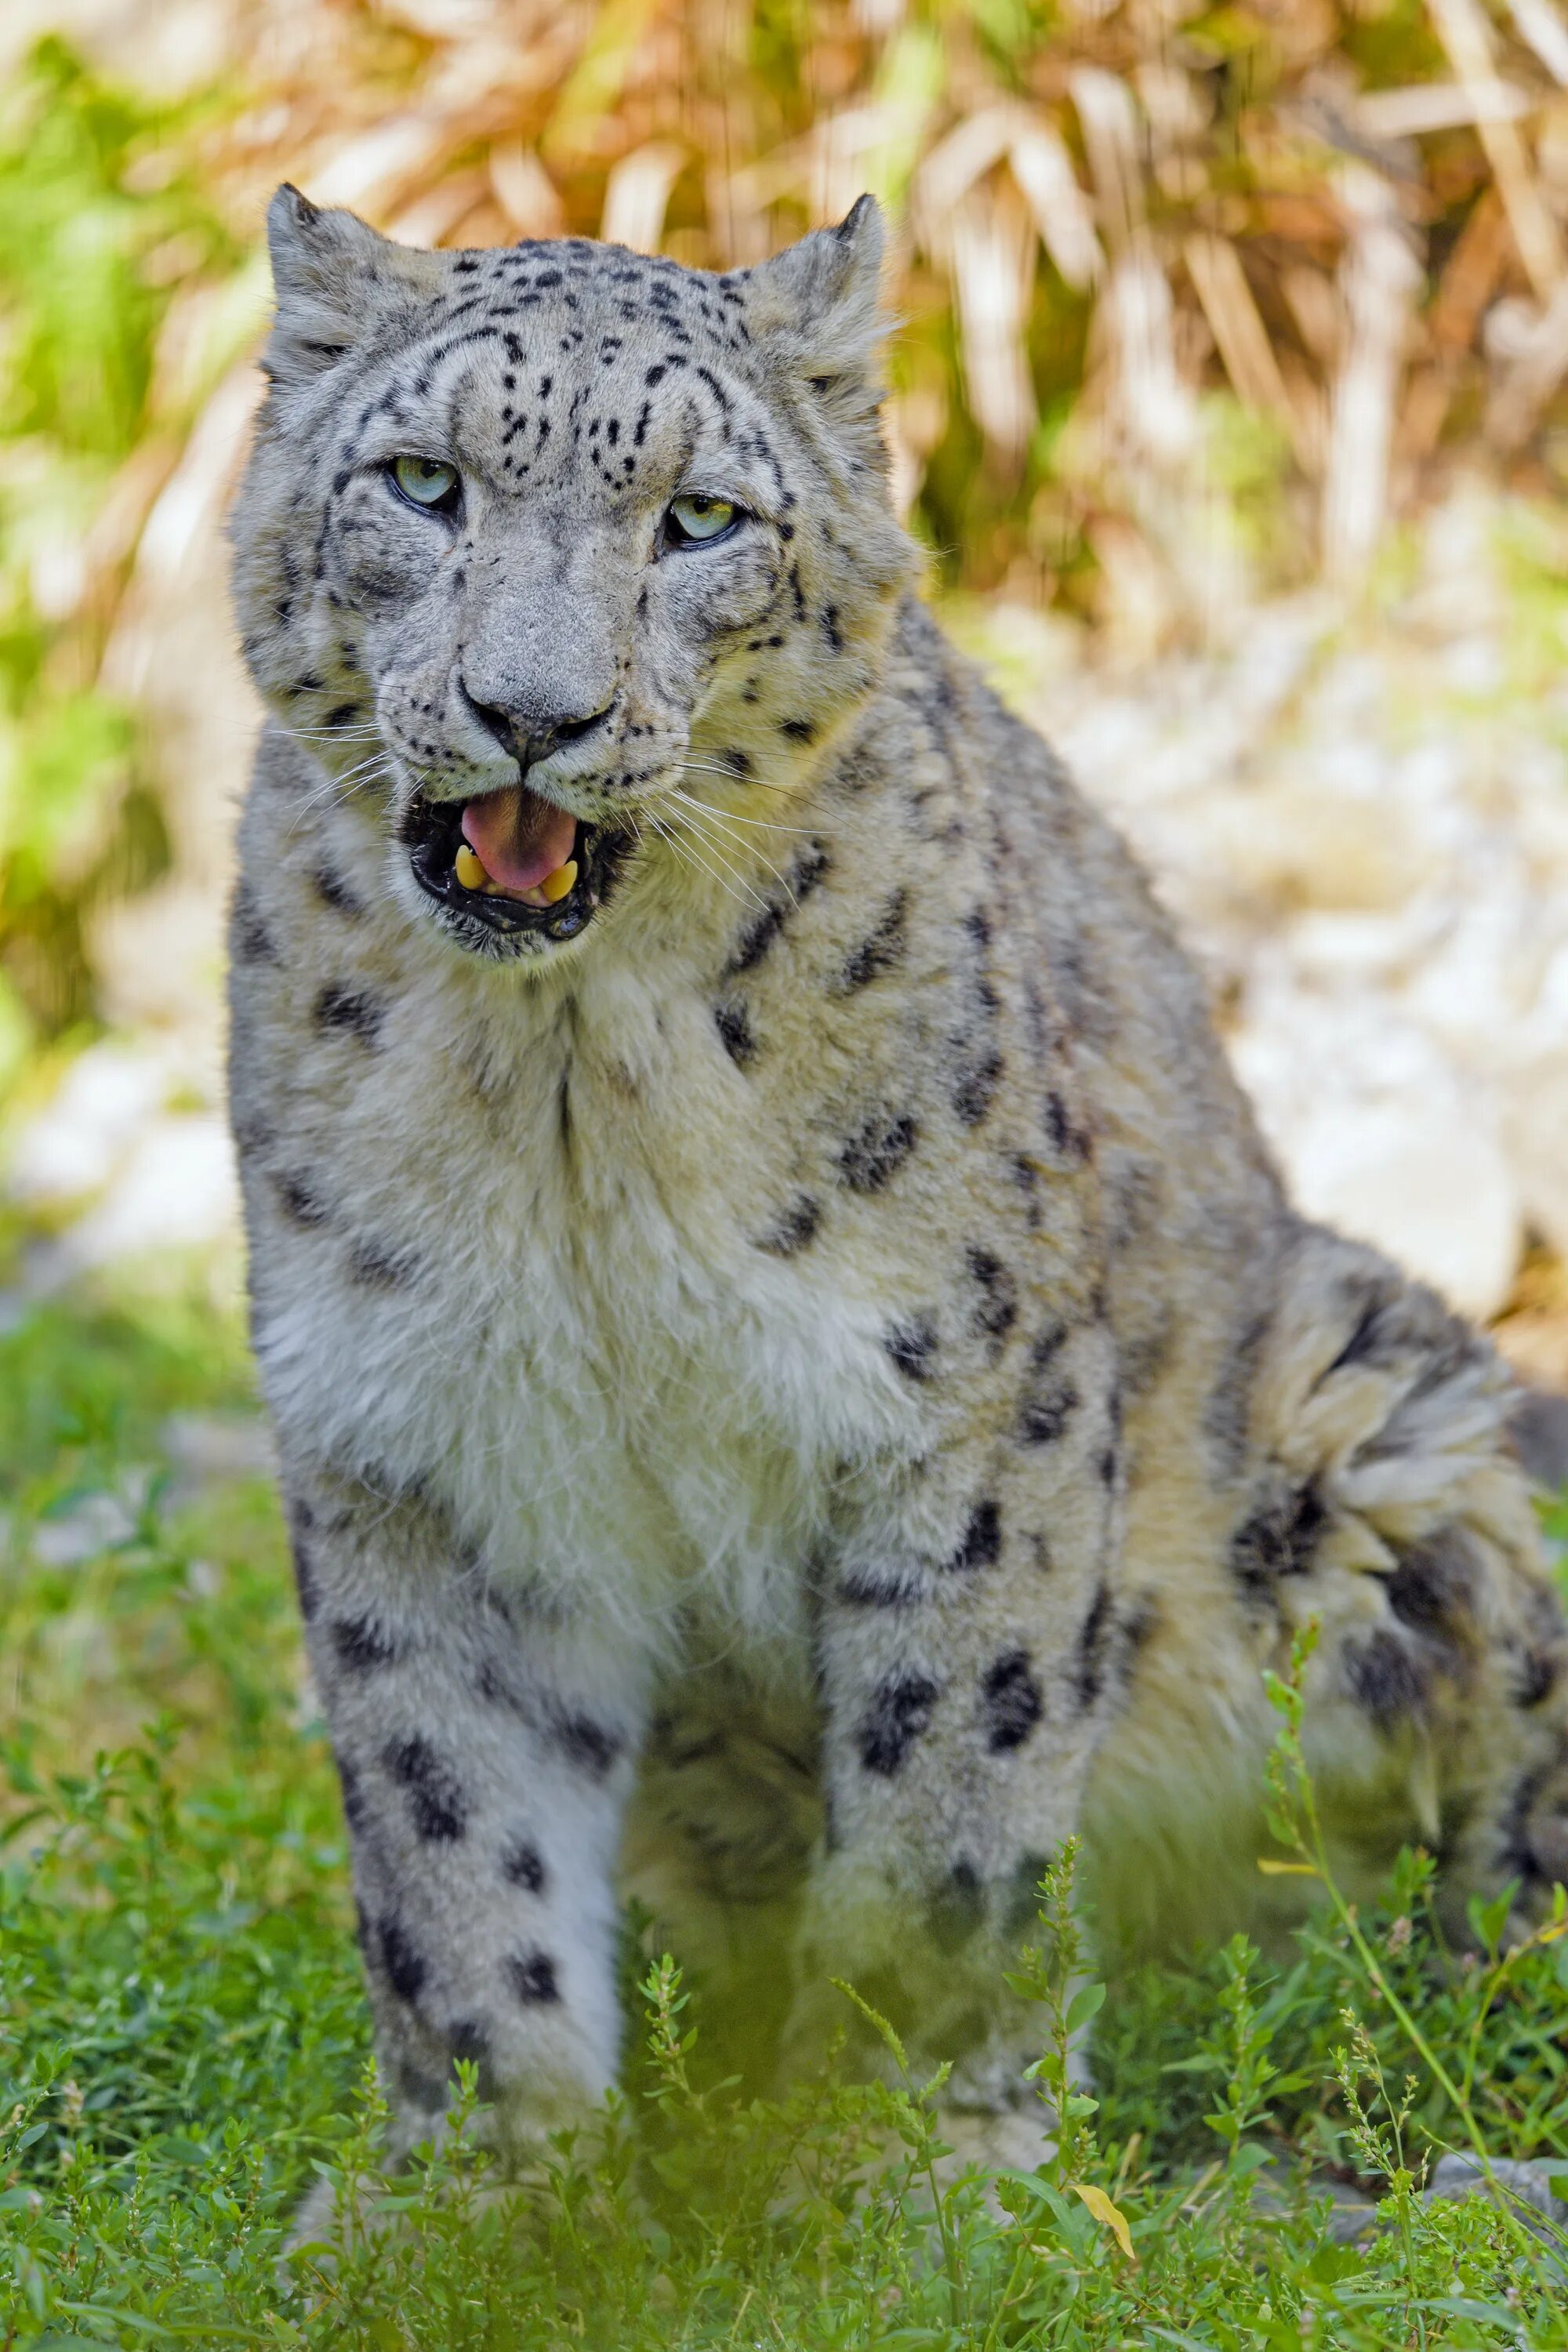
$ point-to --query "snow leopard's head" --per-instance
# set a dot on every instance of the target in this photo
(535, 540)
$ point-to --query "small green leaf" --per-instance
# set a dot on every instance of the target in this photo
(1086, 2002)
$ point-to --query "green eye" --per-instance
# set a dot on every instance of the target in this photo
(426, 480)
(701, 519)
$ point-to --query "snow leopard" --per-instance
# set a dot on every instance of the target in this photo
(798, 1385)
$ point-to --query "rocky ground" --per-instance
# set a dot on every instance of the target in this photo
(1360, 821)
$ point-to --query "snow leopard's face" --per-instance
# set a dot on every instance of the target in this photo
(535, 540)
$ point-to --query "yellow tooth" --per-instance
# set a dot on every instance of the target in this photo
(555, 885)
(468, 868)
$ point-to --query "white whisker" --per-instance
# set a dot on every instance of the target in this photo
(713, 818)
(370, 761)
(763, 823)
(335, 793)
(686, 847)
(751, 784)
(719, 846)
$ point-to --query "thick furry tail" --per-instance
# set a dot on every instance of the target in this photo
(1385, 1502)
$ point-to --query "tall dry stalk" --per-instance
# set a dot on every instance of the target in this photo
(1123, 231)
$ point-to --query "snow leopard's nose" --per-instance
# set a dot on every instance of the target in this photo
(527, 734)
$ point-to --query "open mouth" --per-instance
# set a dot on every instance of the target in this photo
(512, 860)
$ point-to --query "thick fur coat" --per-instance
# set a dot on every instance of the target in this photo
(798, 1384)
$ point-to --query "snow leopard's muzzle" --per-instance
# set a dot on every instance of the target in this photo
(486, 914)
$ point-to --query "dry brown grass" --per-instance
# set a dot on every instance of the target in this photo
(1194, 300)
(1348, 218)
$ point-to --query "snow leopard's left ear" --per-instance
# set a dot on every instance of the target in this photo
(820, 304)
(335, 280)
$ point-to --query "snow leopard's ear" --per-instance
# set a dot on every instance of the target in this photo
(820, 303)
(334, 279)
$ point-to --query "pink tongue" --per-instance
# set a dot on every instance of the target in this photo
(518, 837)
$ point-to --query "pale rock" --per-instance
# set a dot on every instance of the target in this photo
(1379, 1136)
(1535, 1127)
(178, 1189)
(95, 1523)
(1528, 2187)
(71, 1147)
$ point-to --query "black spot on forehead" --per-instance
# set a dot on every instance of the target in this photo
(1043, 1417)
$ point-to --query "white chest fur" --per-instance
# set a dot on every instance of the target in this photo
(579, 1347)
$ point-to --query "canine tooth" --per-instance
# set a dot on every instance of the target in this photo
(555, 885)
(468, 868)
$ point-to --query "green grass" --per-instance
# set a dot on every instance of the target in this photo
(183, 2037)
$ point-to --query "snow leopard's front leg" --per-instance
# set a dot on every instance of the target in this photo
(486, 1756)
(967, 1634)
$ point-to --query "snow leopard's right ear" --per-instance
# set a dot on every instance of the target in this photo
(332, 279)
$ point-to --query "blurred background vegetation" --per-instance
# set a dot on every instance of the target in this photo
(1205, 310)
(1230, 402)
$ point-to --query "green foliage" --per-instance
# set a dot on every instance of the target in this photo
(98, 220)
(131, 275)
(182, 2035)
(86, 1389)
